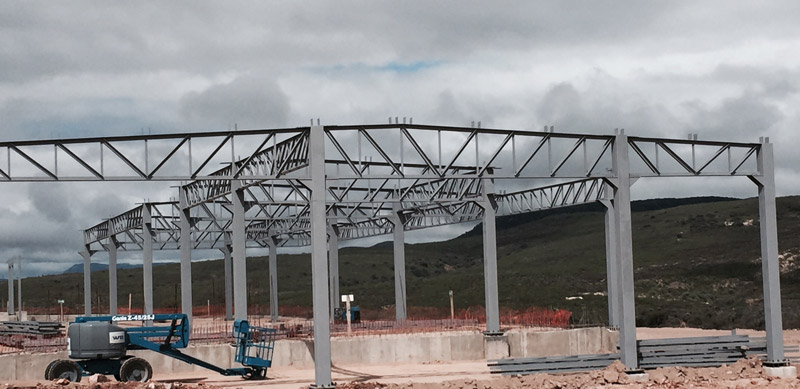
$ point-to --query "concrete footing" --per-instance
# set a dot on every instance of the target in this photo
(781, 371)
(496, 346)
(637, 376)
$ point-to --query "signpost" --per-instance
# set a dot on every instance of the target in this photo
(347, 299)
(61, 303)
(452, 311)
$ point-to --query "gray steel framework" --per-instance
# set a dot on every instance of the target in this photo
(289, 186)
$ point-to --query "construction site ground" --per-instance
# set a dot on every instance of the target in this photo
(475, 374)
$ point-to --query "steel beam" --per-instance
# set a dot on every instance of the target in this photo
(319, 259)
(87, 280)
(186, 254)
(624, 252)
(273, 280)
(238, 240)
(612, 282)
(147, 255)
(111, 249)
(399, 245)
(770, 267)
(333, 266)
(490, 259)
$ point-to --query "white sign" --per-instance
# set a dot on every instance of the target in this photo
(347, 297)
(116, 337)
(61, 301)
(133, 317)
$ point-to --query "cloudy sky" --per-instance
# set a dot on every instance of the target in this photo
(722, 69)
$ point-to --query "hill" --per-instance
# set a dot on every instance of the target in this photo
(696, 263)
(78, 268)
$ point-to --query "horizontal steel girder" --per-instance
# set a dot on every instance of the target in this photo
(408, 151)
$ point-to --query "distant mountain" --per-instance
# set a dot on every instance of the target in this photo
(512, 221)
(78, 268)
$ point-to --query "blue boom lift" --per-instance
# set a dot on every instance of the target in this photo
(96, 345)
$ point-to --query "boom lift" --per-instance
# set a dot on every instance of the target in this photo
(97, 345)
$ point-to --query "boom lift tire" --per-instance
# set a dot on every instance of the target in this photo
(64, 368)
(135, 370)
(47, 370)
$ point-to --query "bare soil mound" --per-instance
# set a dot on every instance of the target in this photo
(63, 384)
(746, 373)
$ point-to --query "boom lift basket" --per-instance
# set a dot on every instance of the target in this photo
(255, 345)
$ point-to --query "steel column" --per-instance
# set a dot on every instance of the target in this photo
(624, 251)
(490, 259)
(19, 288)
(11, 310)
(147, 254)
(226, 262)
(87, 280)
(273, 280)
(186, 254)
(111, 249)
(239, 254)
(770, 268)
(333, 266)
(319, 259)
(398, 240)
(611, 265)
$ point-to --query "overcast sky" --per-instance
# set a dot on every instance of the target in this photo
(724, 70)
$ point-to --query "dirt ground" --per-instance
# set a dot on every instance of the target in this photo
(475, 374)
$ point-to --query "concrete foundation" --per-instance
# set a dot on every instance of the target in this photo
(369, 350)
(638, 377)
(781, 371)
(496, 346)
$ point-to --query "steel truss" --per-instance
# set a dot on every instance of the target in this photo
(289, 222)
(318, 185)
(379, 152)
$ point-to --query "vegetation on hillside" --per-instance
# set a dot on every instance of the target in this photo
(696, 264)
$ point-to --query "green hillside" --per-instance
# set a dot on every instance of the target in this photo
(690, 268)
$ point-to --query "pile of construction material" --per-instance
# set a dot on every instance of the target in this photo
(31, 328)
(652, 353)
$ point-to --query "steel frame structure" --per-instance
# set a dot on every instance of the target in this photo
(299, 185)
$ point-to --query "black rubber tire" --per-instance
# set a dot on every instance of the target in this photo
(256, 374)
(47, 370)
(64, 368)
(136, 370)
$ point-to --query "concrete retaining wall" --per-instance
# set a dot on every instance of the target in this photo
(372, 349)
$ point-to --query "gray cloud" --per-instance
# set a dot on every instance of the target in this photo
(251, 102)
(742, 115)
(724, 69)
